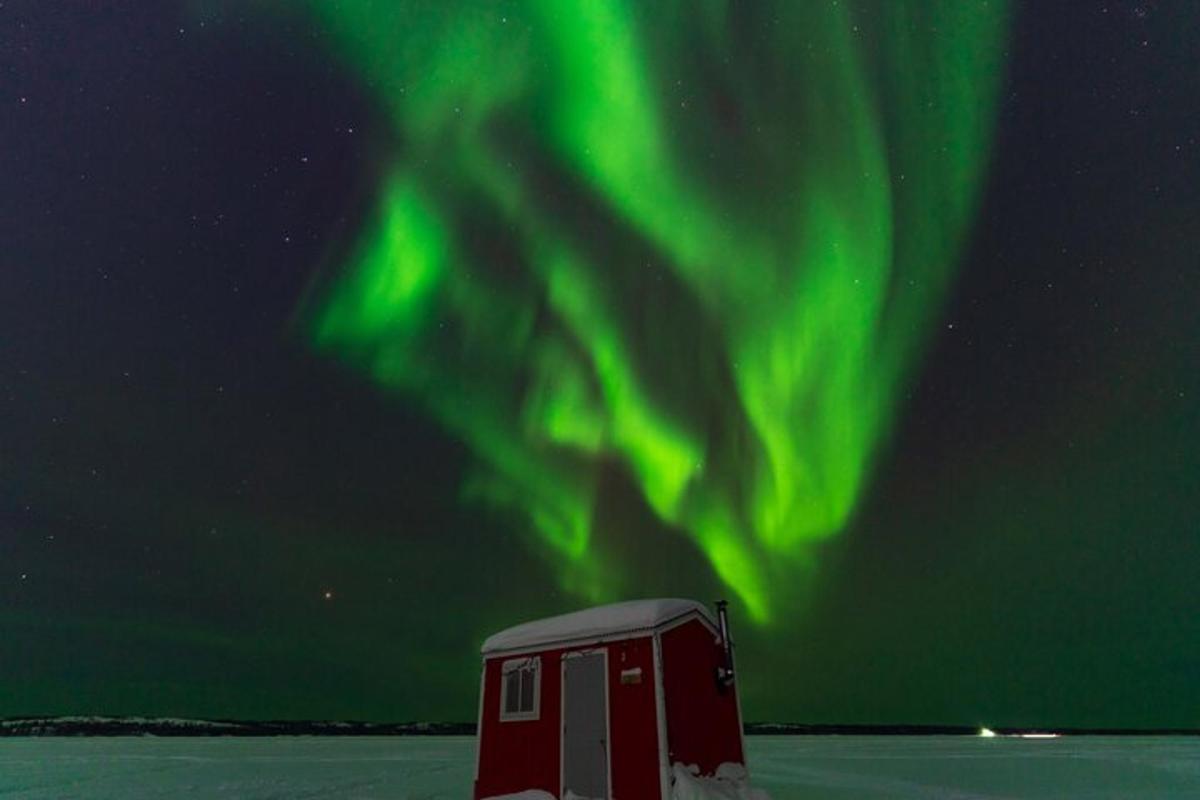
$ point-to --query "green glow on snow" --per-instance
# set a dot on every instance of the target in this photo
(702, 242)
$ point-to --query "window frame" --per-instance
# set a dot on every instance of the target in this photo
(533, 663)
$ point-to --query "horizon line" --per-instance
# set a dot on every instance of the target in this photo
(101, 725)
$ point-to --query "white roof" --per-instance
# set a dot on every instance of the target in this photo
(594, 623)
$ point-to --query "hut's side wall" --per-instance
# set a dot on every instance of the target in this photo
(702, 722)
(633, 721)
(521, 754)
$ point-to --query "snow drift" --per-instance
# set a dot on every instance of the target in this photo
(730, 782)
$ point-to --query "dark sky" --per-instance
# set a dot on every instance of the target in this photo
(202, 515)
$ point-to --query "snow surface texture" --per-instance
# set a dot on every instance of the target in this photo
(593, 623)
(729, 783)
(442, 768)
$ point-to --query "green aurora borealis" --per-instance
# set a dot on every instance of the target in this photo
(694, 242)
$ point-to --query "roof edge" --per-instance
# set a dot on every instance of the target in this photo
(601, 623)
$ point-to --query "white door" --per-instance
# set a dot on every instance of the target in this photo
(585, 725)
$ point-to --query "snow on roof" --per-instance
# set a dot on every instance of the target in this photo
(594, 623)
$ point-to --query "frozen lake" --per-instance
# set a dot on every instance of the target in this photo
(417, 768)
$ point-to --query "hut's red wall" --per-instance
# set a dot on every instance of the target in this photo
(521, 754)
(633, 721)
(702, 722)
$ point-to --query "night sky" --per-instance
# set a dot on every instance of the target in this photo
(334, 339)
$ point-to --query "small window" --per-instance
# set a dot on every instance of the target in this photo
(520, 684)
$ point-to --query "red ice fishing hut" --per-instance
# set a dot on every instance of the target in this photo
(602, 703)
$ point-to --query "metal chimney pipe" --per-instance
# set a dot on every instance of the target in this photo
(725, 672)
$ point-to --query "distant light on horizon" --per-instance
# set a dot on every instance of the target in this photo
(988, 733)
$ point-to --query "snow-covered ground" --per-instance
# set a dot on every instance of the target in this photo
(419, 768)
